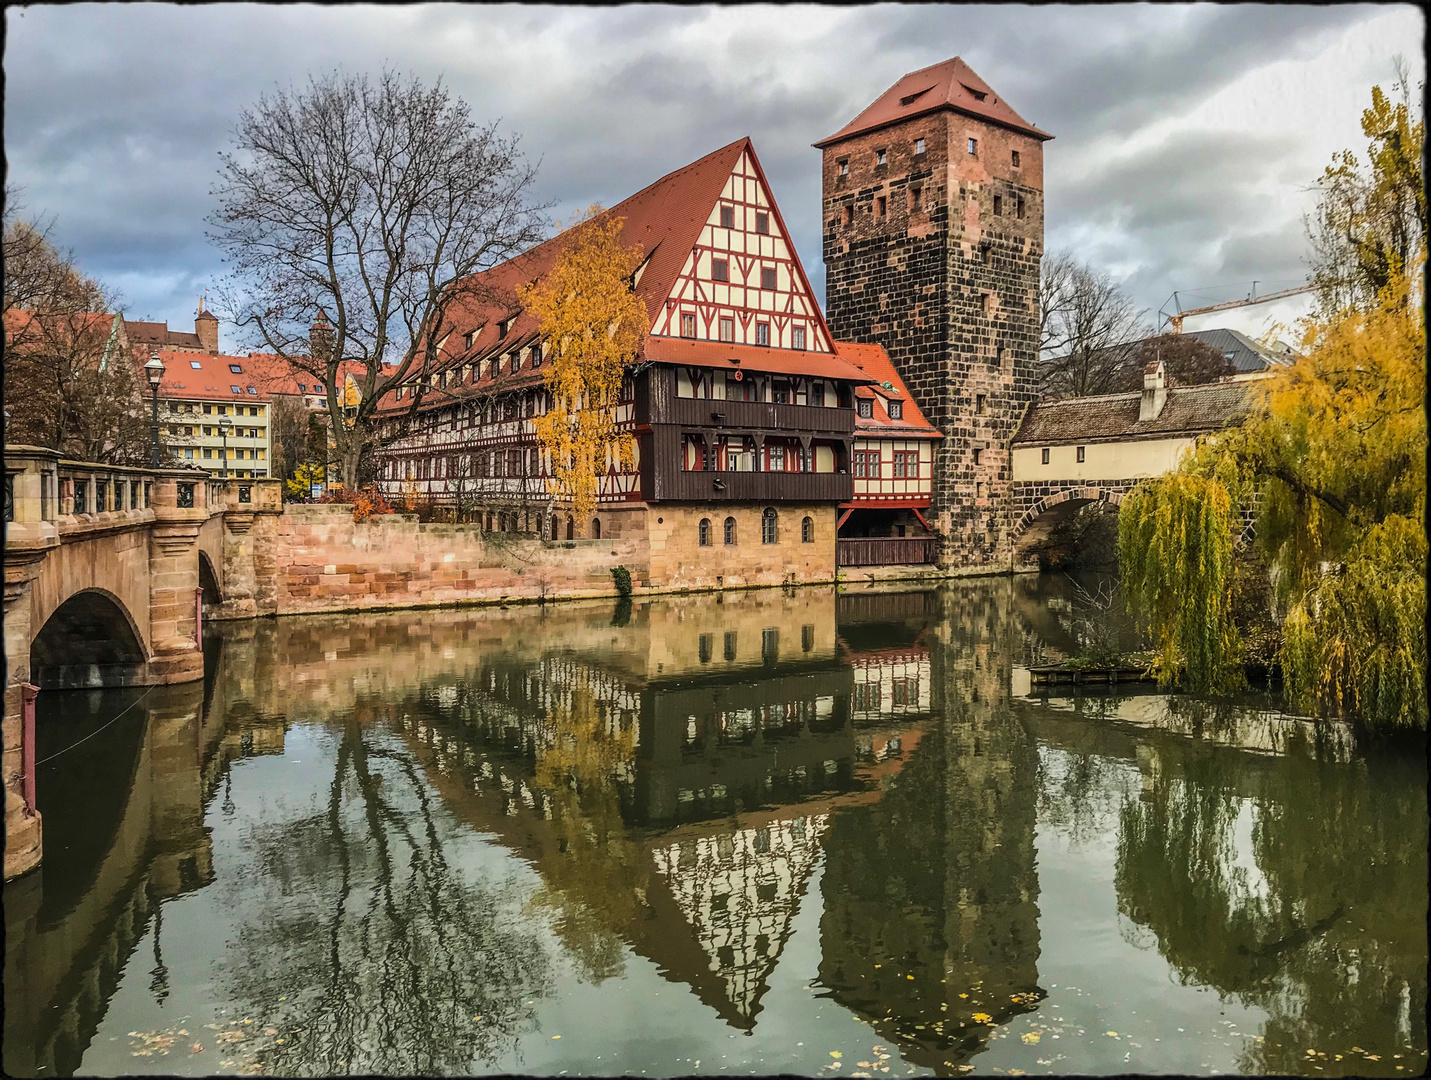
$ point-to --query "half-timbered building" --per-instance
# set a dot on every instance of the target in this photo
(743, 407)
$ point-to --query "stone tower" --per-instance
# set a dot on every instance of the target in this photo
(933, 234)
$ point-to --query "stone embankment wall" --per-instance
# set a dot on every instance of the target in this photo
(325, 561)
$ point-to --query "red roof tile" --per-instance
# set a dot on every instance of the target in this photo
(205, 377)
(720, 354)
(877, 367)
(951, 85)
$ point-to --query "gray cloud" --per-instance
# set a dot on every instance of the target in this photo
(115, 114)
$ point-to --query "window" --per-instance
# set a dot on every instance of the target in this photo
(797, 338)
(767, 278)
(1016, 159)
(196, 365)
(727, 329)
(768, 526)
(977, 95)
(705, 643)
(865, 408)
(919, 146)
(536, 356)
(730, 539)
(762, 333)
(1080, 454)
(502, 328)
(318, 388)
(973, 146)
(896, 409)
(468, 338)
(208, 453)
(998, 206)
(847, 214)
(236, 369)
(720, 270)
(978, 457)
(251, 390)
(981, 402)
(1019, 207)
(979, 489)
(236, 389)
(688, 325)
(881, 204)
(730, 644)
(704, 532)
(879, 157)
(807, 536)
(843, 168)
(914, 194)
(303, 389)
(727, 217)
(1045, 455)
(762, 223)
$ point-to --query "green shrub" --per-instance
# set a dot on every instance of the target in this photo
(622, 577)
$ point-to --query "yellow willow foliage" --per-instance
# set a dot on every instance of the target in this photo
(1335, 458)
(594, 322)
(1175, 550)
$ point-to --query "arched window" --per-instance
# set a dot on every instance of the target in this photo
(705, 532)
(730, 530)
(502, 522)
(596, 528)
(570, 528)
(807, 531)
(768, 531)
(556, 527)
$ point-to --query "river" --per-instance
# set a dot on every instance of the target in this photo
(762, 832)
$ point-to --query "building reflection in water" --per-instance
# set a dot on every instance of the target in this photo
(675, 782)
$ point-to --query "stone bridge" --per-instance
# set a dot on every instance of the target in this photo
(109, 573)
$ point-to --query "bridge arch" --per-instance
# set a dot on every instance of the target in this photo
(90, 640)
(1050, 510)
(209, 582)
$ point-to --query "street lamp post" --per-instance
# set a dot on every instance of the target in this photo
(224, 425)
(154, 370)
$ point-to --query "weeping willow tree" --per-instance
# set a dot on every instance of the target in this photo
(1333, 462)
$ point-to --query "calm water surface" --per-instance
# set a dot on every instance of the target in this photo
(765, 832)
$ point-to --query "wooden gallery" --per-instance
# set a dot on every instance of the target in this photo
(767, 451)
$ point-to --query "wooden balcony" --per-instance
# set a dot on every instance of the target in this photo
(753, 416)
(676, 485)
(887, 551)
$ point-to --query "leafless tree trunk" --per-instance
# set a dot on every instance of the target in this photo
(1088, 327)
(374, 204)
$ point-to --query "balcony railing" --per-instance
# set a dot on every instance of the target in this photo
(711, 486)
(757, 415)
(887, 551)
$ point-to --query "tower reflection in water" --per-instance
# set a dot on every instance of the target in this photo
(674, 783)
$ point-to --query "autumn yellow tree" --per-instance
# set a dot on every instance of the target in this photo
(593, 323)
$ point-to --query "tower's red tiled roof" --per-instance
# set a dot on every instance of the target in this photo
(149, 334)
(951, 85)
(875, 364)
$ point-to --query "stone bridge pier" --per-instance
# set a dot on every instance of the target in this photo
(108, 573)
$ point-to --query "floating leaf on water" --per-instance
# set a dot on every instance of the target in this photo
(836, 1054)
(1031, 1037)
(197, 1048)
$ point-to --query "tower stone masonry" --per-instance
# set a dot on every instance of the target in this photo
(932, 236)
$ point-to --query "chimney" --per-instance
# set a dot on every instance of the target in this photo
(206, 328)
(320, 338)
(1155, 391)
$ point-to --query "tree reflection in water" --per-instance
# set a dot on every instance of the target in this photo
(380, 957)
(1326, 931)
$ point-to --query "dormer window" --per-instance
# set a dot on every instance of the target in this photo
(895, 409)
(468, 338)
(865, 408)
(236, 389)
(502, 328)
(977, 95)
(236, 369)
(727, 217)
(196, 365)
(536, 356)
(910, 99)
(303, 388)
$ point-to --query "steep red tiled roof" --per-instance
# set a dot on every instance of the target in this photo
(204, 377)
(1189, 410)
(877, 367)
(951, 85)
(19, 323)
(273, 375)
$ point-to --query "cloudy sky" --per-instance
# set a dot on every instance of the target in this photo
(1187, 137)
